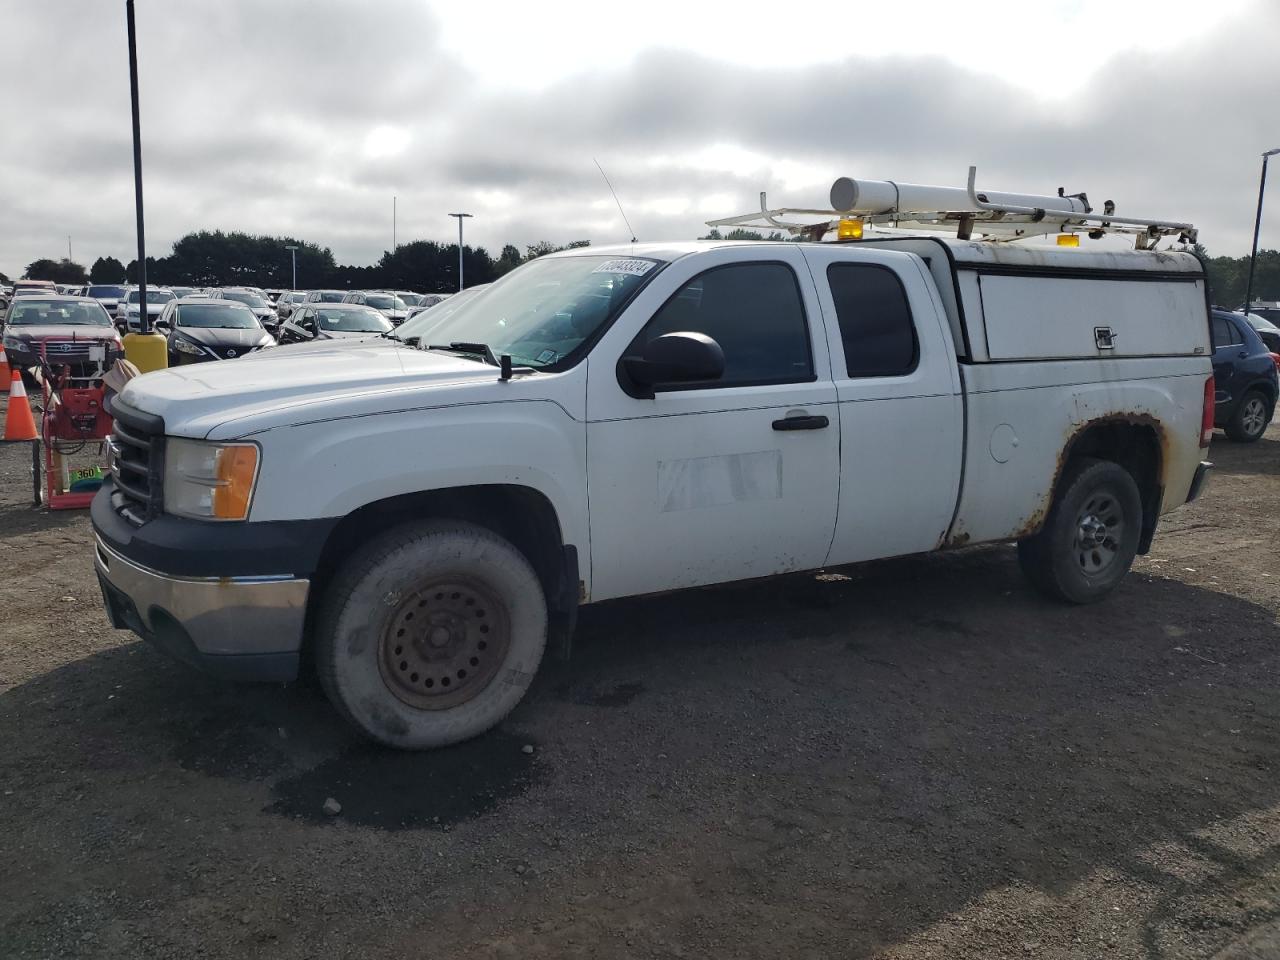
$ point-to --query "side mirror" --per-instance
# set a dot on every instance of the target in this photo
(162, 325)
(674, 358)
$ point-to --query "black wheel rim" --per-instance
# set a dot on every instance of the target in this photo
(444, 643)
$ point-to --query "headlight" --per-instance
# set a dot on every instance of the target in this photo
(186, 346)
(14, 343)
(210, 481)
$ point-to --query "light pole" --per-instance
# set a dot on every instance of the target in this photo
(293, 252)
(147, 351)
(459, 216)
(1257, 225)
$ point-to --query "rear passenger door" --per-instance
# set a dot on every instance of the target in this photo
(721, 480)
(899, 392)
(1228, 351)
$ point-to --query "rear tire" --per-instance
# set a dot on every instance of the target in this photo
(430, 634)
(1090, 537)
(1249, 421)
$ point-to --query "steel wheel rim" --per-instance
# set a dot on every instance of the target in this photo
(444, 643)
(1253, 417)
(1099, 530)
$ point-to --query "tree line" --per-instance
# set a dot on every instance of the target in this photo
(212, 258)
(215, 259)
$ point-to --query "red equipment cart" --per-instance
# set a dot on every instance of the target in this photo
(74, 427)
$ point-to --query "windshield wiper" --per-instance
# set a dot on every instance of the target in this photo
(464, 346)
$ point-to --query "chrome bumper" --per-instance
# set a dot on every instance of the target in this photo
(196, 618)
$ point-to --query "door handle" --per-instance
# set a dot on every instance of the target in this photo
(815, 422)
(1243, 354)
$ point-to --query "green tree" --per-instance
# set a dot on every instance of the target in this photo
(4, 278)
(507, 261)
(58, 271)
(106, 270)
(1228, 276)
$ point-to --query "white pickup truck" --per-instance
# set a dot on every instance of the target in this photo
(419, 518)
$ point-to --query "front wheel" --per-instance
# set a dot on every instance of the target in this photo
(1090, 537)
(1249, 422)
(431, 633)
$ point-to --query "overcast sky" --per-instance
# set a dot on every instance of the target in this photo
(305, 117)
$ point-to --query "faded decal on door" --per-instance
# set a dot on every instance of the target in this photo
(716, 481)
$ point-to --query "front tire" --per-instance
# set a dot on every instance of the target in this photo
(1249, 421)
(430, 634)
(1090, 537)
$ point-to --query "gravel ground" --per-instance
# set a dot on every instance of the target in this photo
(913, 759)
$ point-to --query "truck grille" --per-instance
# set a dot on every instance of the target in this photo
(137, 464)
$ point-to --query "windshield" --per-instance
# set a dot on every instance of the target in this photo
(543, 311)
(358, 320)
(430, 316)
(1261, 323)
(214, 314)
(330, 296)
(410, 299)
(69, 312)
(153, 296)
(106, 293)
(181, 292)
(245, 297)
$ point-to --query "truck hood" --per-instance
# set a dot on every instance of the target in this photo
(288, 385)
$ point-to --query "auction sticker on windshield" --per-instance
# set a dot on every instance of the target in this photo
(636, 268)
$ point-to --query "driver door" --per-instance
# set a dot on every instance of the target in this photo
(715, 481)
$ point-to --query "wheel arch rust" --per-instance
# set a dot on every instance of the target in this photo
(1104, 437)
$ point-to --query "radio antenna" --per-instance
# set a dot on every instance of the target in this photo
(615, 198)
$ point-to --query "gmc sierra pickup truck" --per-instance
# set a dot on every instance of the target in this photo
(418, 513)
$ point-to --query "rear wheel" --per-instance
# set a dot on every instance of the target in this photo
(1090, 537)
(1252, 414)
(431, 633)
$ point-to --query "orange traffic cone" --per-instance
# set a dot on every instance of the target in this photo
(18, 422)
(5, 374)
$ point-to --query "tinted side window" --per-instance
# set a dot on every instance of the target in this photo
(753, 310)
(875, 320)
(1223, 333)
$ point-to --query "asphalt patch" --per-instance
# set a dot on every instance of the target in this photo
(394, 790)
(618, 695)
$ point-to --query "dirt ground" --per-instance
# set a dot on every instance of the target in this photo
(913, 759)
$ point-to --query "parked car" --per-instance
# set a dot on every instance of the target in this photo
(333, 321)
(288, 300)
(107, 294)
(1267, 309)
(1245, 377)
(26, 288)
(200, 329)
(128, 312)
(325, 296)
(273, 294)
(1267, 330)
(65, 330)
(389, 305)
(604, 423)
(181, 292)
(261, 307)
(409, 298)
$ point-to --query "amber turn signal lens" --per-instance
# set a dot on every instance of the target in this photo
(1068, 240)
(236, 468)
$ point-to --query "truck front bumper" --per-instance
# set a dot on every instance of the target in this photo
(241, 628)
